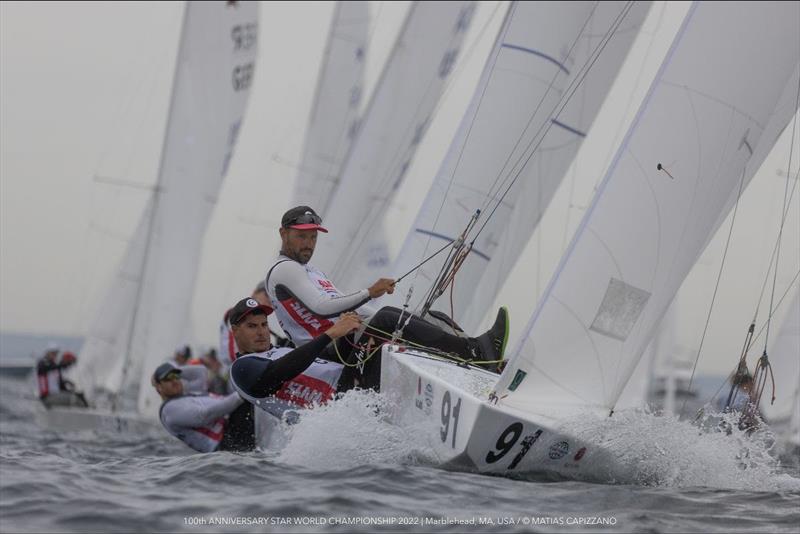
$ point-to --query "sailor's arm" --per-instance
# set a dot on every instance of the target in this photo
(199, 411)
(295, 362)
(290, 280)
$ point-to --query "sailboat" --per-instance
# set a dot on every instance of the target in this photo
(147, 307)
(699, 136)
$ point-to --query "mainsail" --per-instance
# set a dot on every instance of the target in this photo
(393, 125)
(702, 131)
(148, 307)
(334, 117)
(543, 84)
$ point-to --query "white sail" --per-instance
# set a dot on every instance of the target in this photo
(334, 117)
(393, 125)
(100, 365)
(151, 295)
(784, 356)
(526, 100)
(710, 127)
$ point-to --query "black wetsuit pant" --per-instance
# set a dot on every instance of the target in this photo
(379, 329)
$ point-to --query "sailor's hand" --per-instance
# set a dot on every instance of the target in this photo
(381, 287)
(347, 322)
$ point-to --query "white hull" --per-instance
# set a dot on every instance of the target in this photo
(60, 419)
(447, 408)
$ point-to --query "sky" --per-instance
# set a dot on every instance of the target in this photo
(84, 89)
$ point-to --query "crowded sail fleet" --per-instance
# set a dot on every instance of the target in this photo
(412, 325)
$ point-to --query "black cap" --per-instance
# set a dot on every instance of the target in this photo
(163, 370)
(245, 307)
(302, 218)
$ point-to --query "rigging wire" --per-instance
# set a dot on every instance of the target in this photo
(716, 286)
(531, 148)
(379, 204)
(545, 128)
(762, 366)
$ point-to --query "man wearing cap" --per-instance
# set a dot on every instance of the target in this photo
(292, 377)
(227, 343)
(192, 415)
(306, 302)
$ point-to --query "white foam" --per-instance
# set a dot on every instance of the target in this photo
(661, 450)
(350, 432)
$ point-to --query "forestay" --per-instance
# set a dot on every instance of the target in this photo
(709, 118)
(334, 117)
(392, 127)
(544, 81)
(153, 291)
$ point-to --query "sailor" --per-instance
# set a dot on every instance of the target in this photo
(227, 343)
(294, 376)
(183, 353)
(217, 373)
(191, 414)
(54, 389)
(279, 380)
(307, 303)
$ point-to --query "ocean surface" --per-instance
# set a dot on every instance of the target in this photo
(346, 469)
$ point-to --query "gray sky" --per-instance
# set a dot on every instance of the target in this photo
(84, 89)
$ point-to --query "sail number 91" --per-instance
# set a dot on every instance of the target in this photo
(449, 411)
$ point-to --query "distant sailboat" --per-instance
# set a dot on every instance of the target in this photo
(145, 312)
(700, 134)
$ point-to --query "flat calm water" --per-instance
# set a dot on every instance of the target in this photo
(347, 470)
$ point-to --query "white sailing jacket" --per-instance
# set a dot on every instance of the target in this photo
(306, 302)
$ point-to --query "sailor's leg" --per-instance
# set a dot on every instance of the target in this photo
(417, 331)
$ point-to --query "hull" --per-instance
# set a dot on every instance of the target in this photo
(446, 408)
(16, 371)
(62, 419)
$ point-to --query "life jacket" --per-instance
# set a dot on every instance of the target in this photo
(202, 438)
(300, 323)
(316, 385)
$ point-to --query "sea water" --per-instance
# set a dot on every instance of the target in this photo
(347, 469)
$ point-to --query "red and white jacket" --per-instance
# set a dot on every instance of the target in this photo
(316, 385)
(306, 302)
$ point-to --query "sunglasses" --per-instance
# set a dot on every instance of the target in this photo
(305, 218)
(170, 377)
